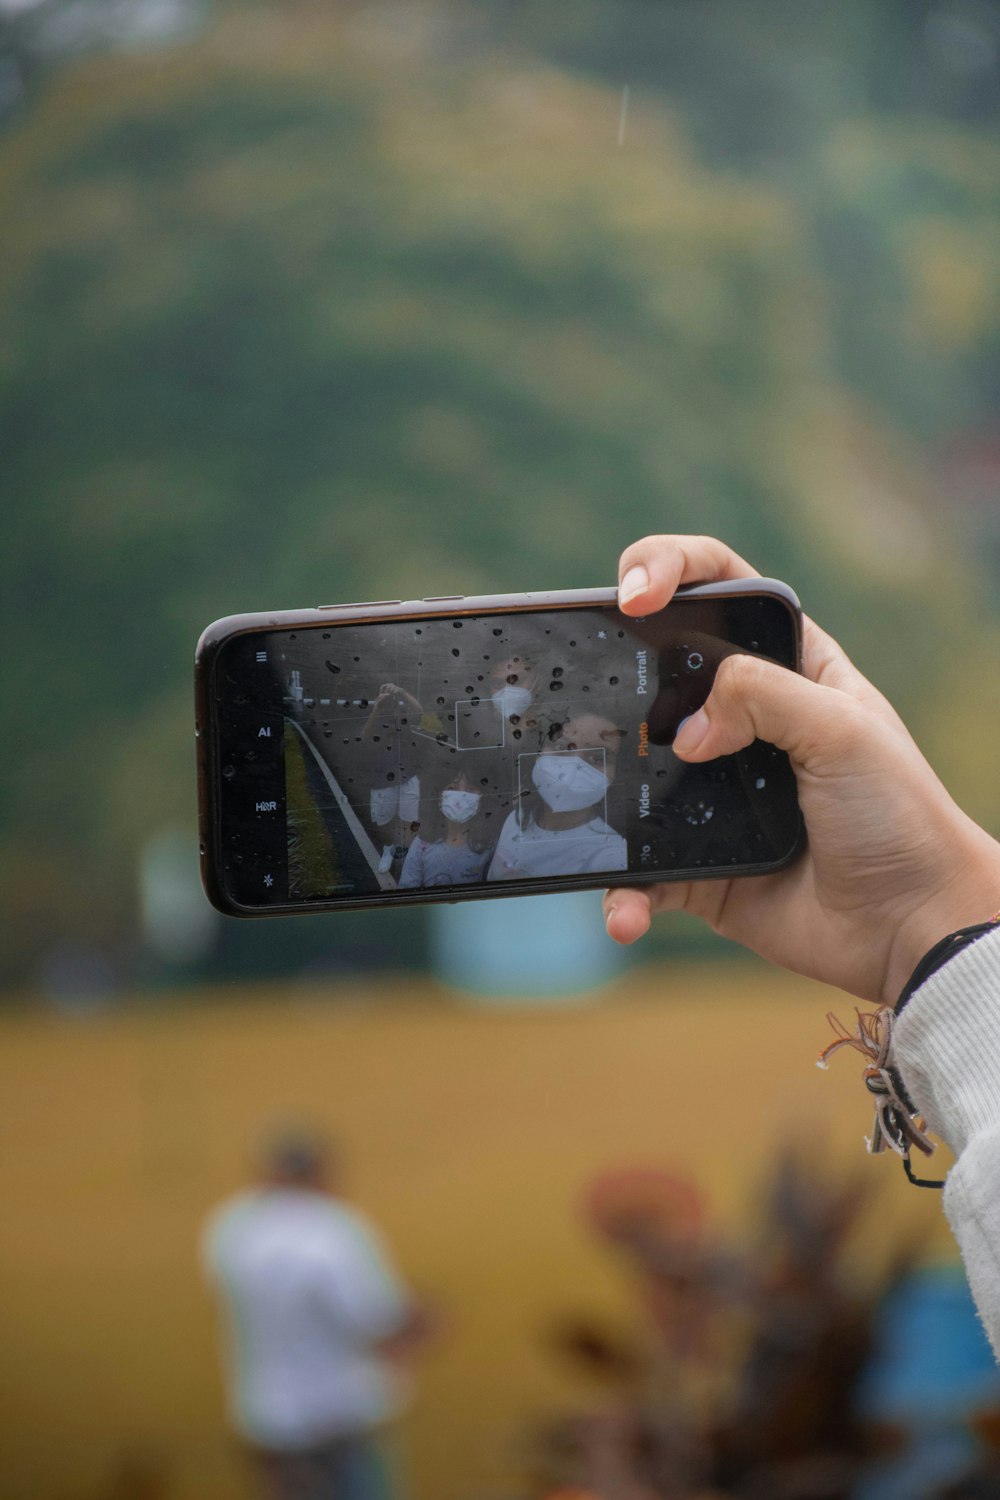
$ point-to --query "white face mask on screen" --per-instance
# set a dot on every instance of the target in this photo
(459, 807)
(512, 701)
(567, 783)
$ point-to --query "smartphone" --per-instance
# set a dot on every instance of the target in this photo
(455, 748)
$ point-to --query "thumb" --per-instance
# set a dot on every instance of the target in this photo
(756, 699)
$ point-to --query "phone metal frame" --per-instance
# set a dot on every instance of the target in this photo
(221, 631)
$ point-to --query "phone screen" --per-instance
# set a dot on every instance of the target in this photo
(457, 755)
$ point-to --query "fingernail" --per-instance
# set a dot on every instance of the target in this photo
(635, 582)
(690, 733)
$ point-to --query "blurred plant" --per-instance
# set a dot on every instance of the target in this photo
(745, 1379)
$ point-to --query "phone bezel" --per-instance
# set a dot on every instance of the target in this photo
(224, 630)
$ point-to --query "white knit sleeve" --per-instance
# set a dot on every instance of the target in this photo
(946, 1046)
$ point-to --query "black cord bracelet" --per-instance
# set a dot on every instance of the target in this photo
(933, 960)
(938, 956)
(898, 1126)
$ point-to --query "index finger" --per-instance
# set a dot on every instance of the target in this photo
(651, 571)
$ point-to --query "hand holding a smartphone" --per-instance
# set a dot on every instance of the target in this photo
(892, 863)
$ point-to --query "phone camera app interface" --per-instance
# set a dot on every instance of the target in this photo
(441, 753)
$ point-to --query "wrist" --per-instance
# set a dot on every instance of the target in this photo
(970, 897)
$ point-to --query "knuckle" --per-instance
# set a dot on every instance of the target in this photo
(850, 724)
(645, 548)
(730, 703)
(737, 678)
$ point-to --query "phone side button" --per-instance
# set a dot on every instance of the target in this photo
(442, 598)
(361, 604)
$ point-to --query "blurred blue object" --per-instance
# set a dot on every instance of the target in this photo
(933, 1369)
(537, 948)
(934, 1358)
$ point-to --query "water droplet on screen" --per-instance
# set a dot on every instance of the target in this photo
(440, 702)
(517, 734)
(331, 666)
(326, 635)
(555, 687)
(698, 813)
(760, 783)
(357, 658)
(292, 637)
(455, 651)
(418, 631)
(328, 734)
(229, 772)
(390, 776)
(557, 671)
(613, 681)
(572, 643)
(497, 631)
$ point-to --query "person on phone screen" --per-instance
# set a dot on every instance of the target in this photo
(452, 847)
(392, 733)
(511, 686)
(505, 711)
(318, 1327)
(896, 898)
(560, 826)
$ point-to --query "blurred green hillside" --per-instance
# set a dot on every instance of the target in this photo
(338, 301)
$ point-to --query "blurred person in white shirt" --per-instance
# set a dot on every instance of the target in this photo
(318, 1325)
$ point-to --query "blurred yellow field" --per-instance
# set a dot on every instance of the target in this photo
(468, 1133)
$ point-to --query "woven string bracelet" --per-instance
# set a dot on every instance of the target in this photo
(897, 1127)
